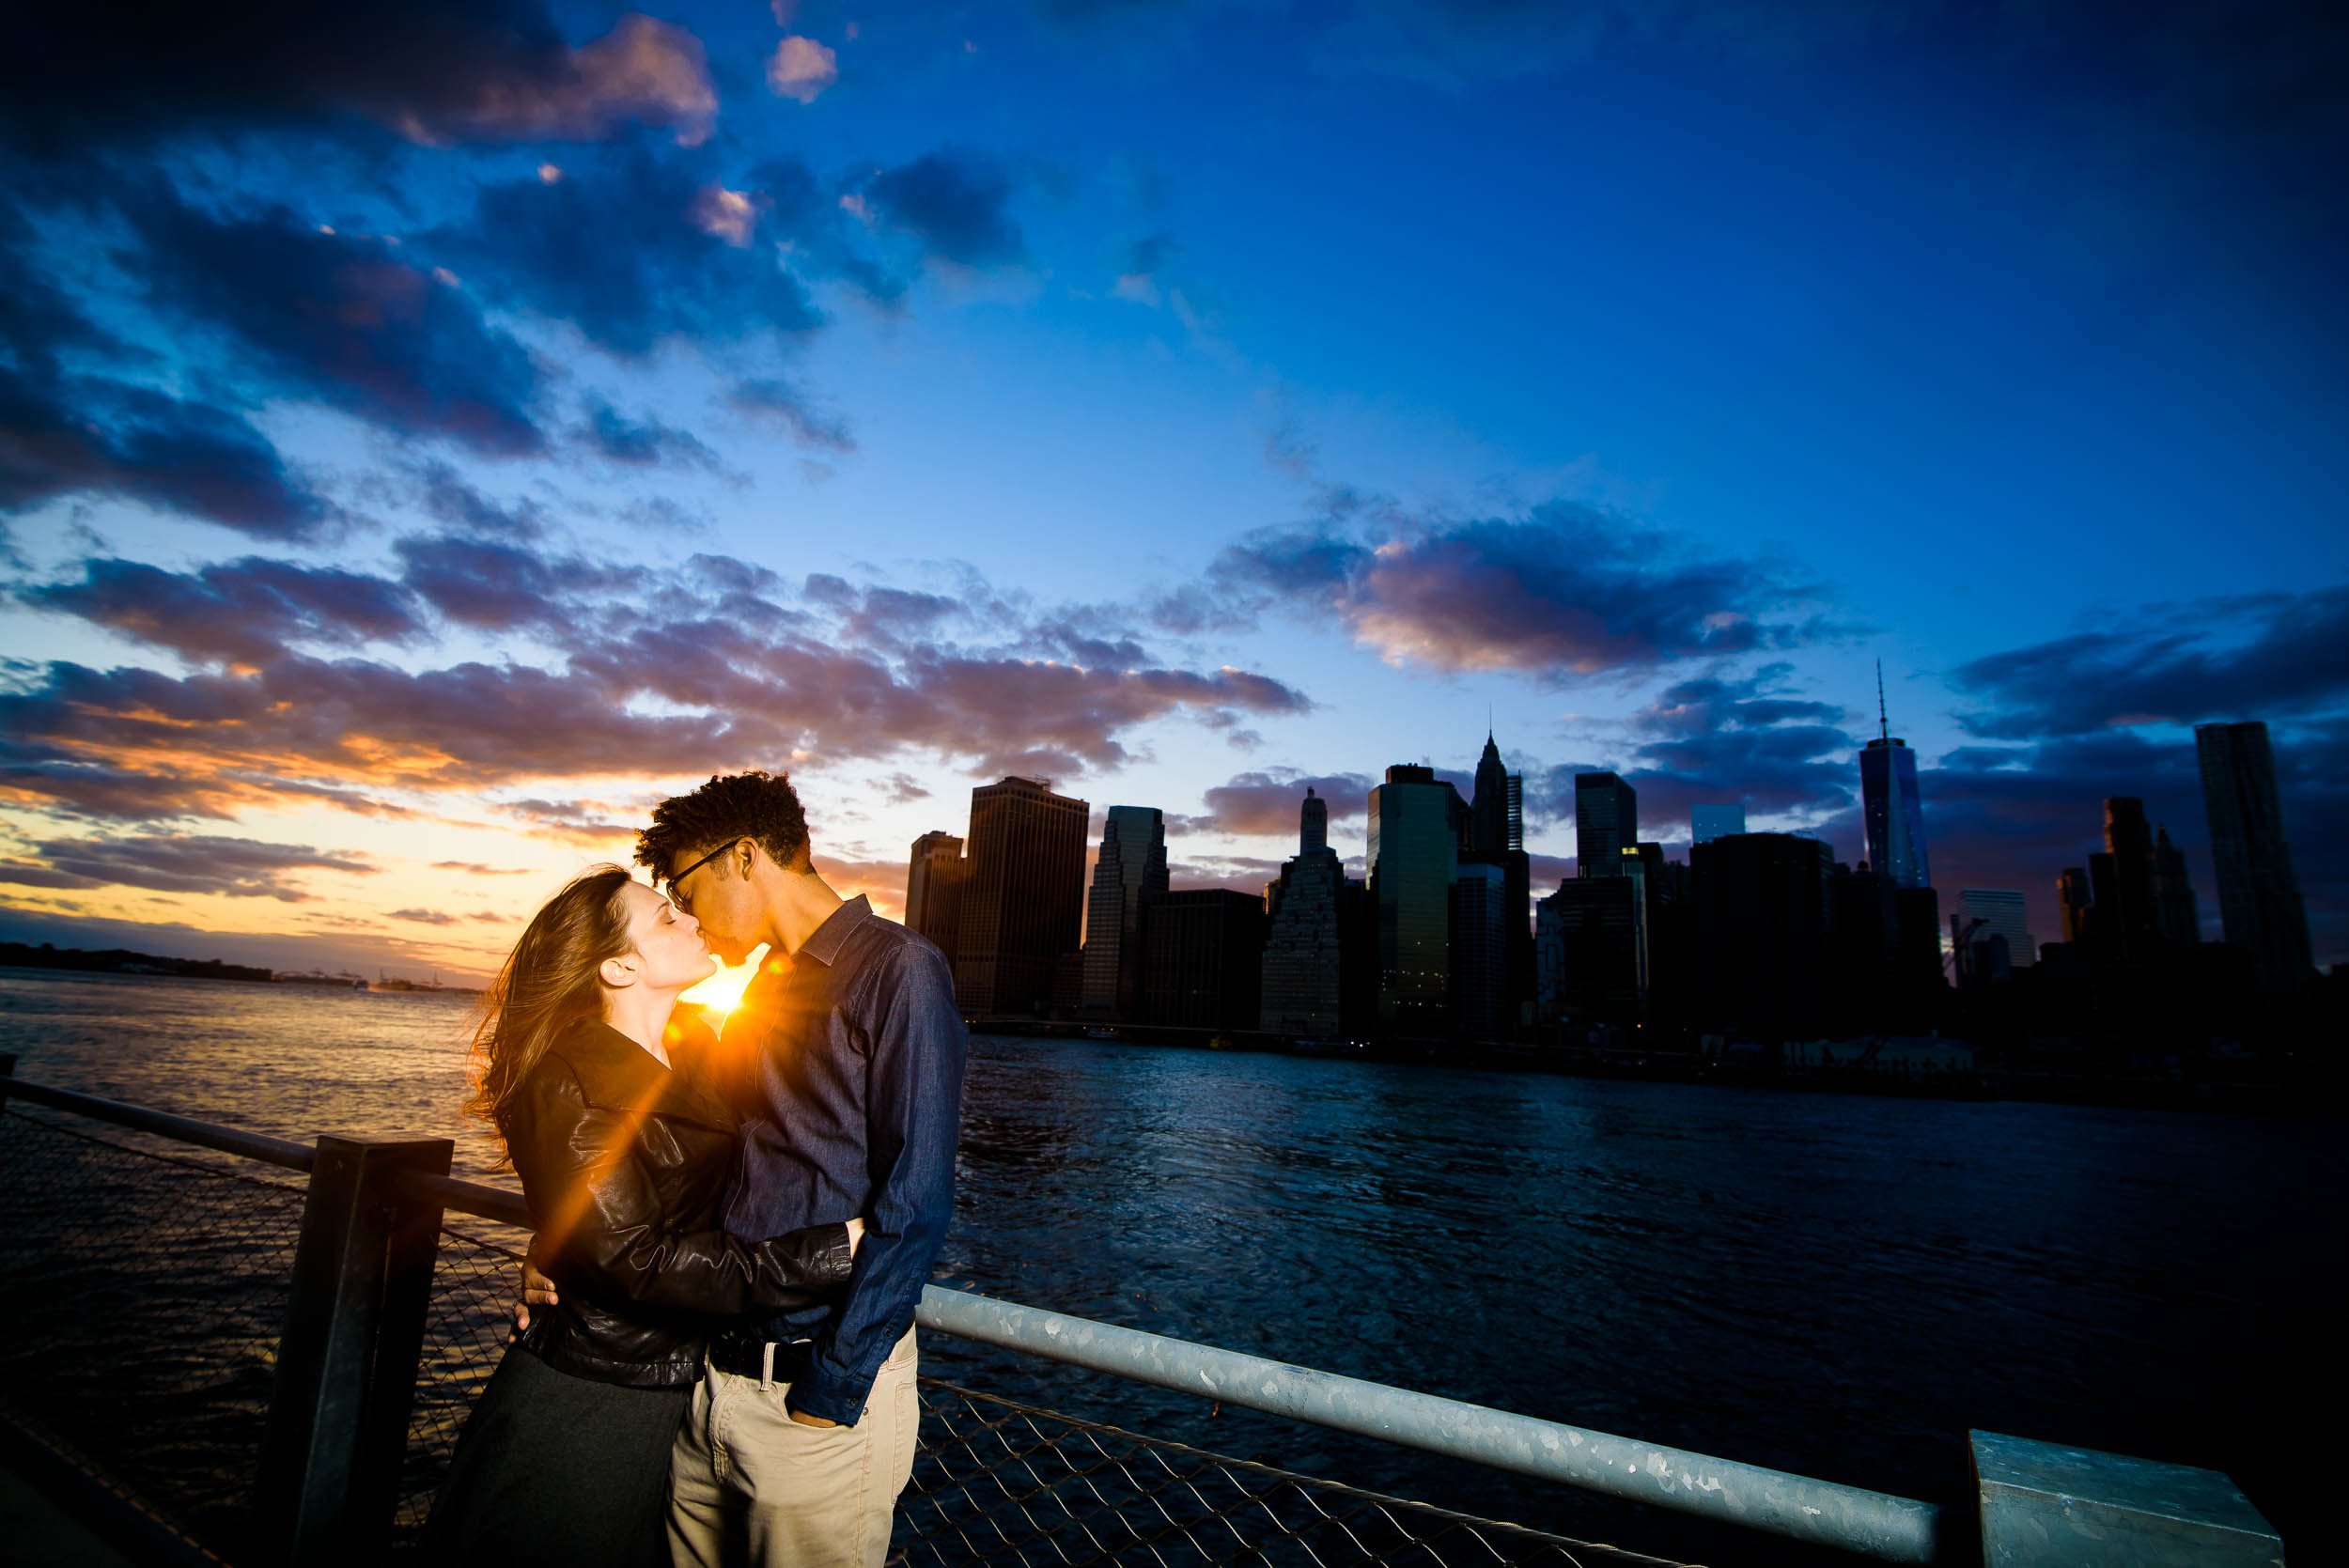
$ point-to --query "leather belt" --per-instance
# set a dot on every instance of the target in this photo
(745, 1356)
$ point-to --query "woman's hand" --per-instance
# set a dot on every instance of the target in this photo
(539, 1291)
(856, 1237)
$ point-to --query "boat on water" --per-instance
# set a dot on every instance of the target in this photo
(1329, 1047)
(345, 982)
(1100, 1031)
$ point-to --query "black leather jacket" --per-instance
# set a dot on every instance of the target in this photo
(624, 1163)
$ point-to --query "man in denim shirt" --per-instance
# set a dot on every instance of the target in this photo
(845, 1059)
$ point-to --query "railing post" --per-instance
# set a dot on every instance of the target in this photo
(7, 1070)
(347, 1361)
(2044, 1503)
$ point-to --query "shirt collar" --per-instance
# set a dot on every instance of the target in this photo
(824, 943)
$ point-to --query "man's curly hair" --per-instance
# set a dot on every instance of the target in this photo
(754, 805)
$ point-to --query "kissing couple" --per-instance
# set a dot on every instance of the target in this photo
(733, 1228)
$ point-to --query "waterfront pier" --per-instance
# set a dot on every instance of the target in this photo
(221, 1346)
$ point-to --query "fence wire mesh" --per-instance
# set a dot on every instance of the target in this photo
(465, 1335)
(141, 1297)
(141, 1294)
(1002, 1483)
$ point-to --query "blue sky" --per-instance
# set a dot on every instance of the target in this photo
(429, 437)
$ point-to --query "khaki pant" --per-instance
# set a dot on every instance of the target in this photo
(747, 1484)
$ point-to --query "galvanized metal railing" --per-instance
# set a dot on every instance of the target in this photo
(372, 1230)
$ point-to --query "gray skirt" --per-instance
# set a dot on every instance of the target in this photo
(555, 1468)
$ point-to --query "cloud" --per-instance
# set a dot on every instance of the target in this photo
(707, 667)
(958, 207)
(2263, 654)
(105, 74)
(1721, 737)
(645, 443)
(724, 214)
(776, 402)
(1265, 803)
(475, 868)
(662, 271)
(497, 584)
(425, 917)
(244, 611)
(802, 69)
(444, 494)
(89, 435)
(342, 319)
(179, 862)
(1138, 270)
(1564, 591)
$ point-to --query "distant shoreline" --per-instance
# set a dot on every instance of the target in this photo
(115, 960)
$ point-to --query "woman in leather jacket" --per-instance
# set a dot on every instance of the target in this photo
(623, 1157)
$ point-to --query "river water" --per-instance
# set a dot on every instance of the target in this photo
(1838, 1285)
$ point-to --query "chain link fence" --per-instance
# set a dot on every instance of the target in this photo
(143, 1291)
(1002, 1483)
(465, 1332)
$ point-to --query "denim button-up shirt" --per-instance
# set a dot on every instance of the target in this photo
(852, 1056)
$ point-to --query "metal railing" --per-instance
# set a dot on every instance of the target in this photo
(346, 1323)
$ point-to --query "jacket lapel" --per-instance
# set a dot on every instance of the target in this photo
(617, 1074)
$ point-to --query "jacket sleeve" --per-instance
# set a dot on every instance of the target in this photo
(600, 1224)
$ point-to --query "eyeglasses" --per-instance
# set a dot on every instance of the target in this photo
(670, 885)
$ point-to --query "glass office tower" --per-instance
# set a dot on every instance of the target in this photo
(1895, 813)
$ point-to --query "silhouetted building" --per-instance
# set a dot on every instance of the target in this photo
(1762, 917)
(1588, 940)
(1707, 823)
(1129, 871)
(1918, 911)
(2175, 919)
(2073, 898)
(1416, 825)
(934, 882)
(1305, 945)
(1606, 822)
(1496, 837)
(1024, 898)
(2258, 897)
(1867, 947)
(1480, 950)
(2128, 921)
(1202, 960)
(1991, 914)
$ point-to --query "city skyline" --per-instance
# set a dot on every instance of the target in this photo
(427, 439)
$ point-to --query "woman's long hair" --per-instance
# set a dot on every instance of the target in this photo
(550, 982)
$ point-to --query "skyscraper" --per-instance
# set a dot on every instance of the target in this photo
(1303, 959)
(2071, 895)
(934, 882)
(1024, 898)
(1764, 932)
(2128, 919)
(1497, 838)
(2175, 918)
(1707, 823)
(1606, 823)
(1479, 950)
(1203, 961)
(1893, 811)
(1130, 870)
(2001, 915)
(1415, 831)
(2258, 897)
